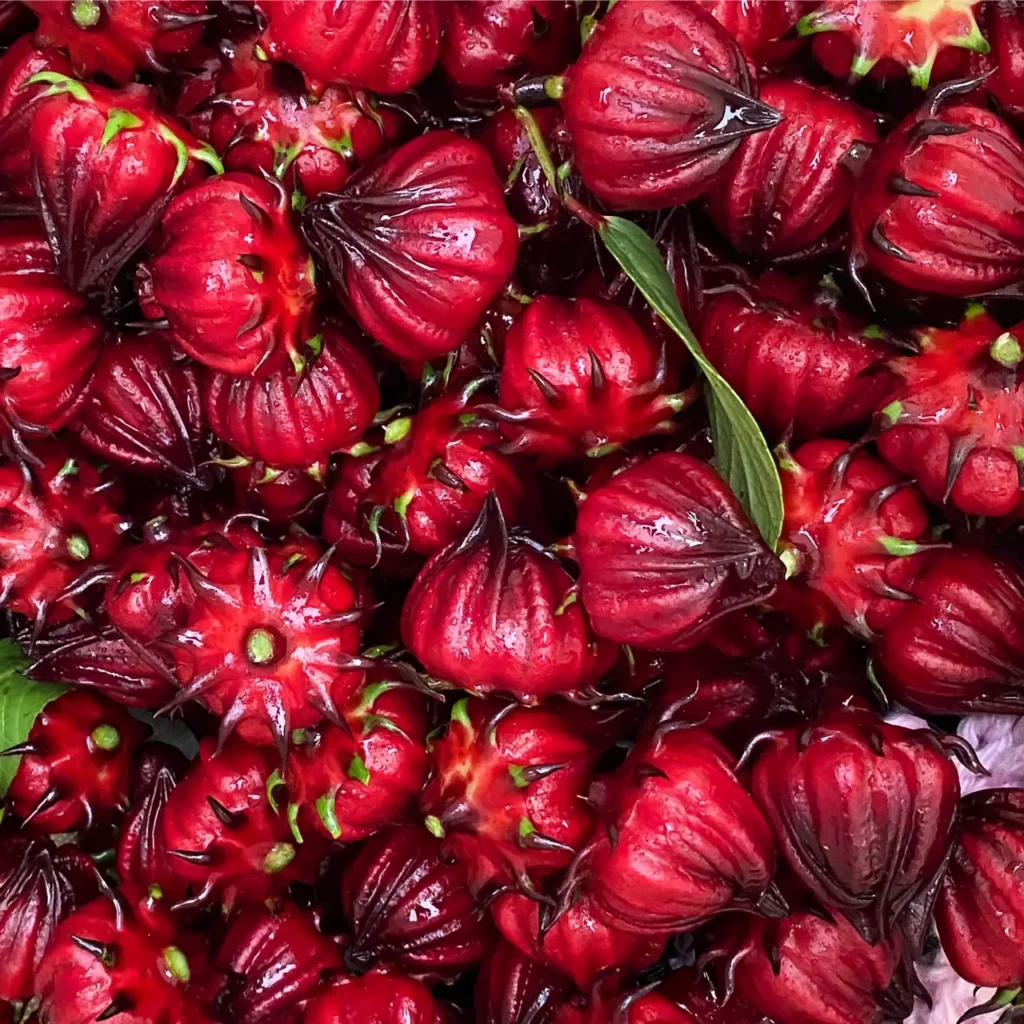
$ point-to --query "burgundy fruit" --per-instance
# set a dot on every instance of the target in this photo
(512, 988)
(375, 998)
(420, 287)
(645, 104)
(665, 551)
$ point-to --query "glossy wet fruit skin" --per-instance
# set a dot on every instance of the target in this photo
(952, 421)
(628, 534)
(979, 903)
(375, 998)
(387, 47)
(417, 290)
(512, 987)
(644, 104)
(759, 26)
(937, 209)
(786, 189)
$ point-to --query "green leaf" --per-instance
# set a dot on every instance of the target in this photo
(21, 700)
(741, 452)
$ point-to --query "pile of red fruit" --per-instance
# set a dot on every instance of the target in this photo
(476, 477)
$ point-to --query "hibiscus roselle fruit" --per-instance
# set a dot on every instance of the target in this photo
(511, 511)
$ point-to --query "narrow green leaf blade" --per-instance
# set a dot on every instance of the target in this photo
(21, 700)
(741, 452)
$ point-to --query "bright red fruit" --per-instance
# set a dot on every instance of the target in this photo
(851, 530)
(110, 960)
(683, 839)
(270, 643)
(513, 988)
(492, 43)
(409, 907)
(785, 189)
(759, 25)
(119, 37)
(40, 884)
(1004, 29)
(580, 376)
(311, 145)
(955, 421)
(49, 343)
(375, 998)
(903, 32)
(105, 165)
(77, 763)
(665, 551)
(296, 418)
(496, 614)
(418, 245)
(980, 910)
(428, 487)
(18, 102)
(938, 207)
(232, 277)
(59, 518)
(219, 829)
(641, 1006)
(958, 646)
(580, 941)
(347, 780)
(865, 812)
(388, 46)
(813, 968)
(798, 362)
(143, 409)
(282, 496)
(645, 104)
(272, 962)
(506, 791)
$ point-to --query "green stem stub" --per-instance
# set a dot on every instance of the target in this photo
(106, 737)
(434, 826)
(86, 13)
(177, 964)
(260, 648)
(280, 856)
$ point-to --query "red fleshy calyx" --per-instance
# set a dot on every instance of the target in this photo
(388, 46)
(646, 104)
(607, 1002)
(813, 968)
(682, 839)
(786, 189)
(219, 829)
(267, 125)
(232, 277)
(18, 102)
(580, 942)
(297, 418)
(980, 909)
(938, 206)
(852, 529)
(110, 959)
(348, 779)
(77, 763)
(143, 409)
(1003, 25)
(665, 551)
(105, 165)
(376, 998)
(492, 43)
(903, 32)
(581, 377)
(40, 884)
(760, 26)
(49, 343)
(513, 988)
(142, 857)
(272, 961)
(60, 520)
(271, 640)
(958, 646)
(505, 792)
(408, 905)
(281, 496)
(497, 614)
(420, 287)
(800, 364)
(955, 421)
(865, 812)
(428, 487)
(119, 38)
